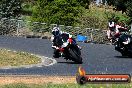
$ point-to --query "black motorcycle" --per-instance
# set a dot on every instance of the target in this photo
(123, 44)
(68, 49)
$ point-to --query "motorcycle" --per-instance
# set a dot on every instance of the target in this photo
(123, 44)
(68, 49)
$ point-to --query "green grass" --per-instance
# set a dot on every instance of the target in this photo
(10, 58)
(20, 85)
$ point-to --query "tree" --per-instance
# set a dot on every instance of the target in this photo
(124, 6)
(64, 12)
(10, 8)
(84, 3)
(111, 2)
(129, 10)
(120, 5)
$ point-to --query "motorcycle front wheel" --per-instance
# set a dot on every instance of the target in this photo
(75, 54)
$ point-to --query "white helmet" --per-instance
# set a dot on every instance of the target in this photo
(56, 31)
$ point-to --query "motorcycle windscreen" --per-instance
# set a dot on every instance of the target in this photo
(65, 37)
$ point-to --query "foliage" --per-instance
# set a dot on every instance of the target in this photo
(84, 3)
(110, 2)
(27, 9)
(129, 10)
(58, 11)
(98, 18)
(10, 8)
(124, 6)
(7, 26)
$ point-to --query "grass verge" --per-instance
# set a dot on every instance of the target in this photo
(10, 58)
(21, 85)
(51, 82)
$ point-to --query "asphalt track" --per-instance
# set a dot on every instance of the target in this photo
(97, 58)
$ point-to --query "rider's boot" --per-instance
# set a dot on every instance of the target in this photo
(56, 53)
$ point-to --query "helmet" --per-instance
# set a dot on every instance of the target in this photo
(56, 31)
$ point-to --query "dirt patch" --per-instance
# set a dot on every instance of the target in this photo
(37, 79)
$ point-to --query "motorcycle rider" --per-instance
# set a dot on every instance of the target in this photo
(119, 28)
(123, 44)
(58, 38)
(111, 30)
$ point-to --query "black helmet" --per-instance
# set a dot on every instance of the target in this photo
(56, 31)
